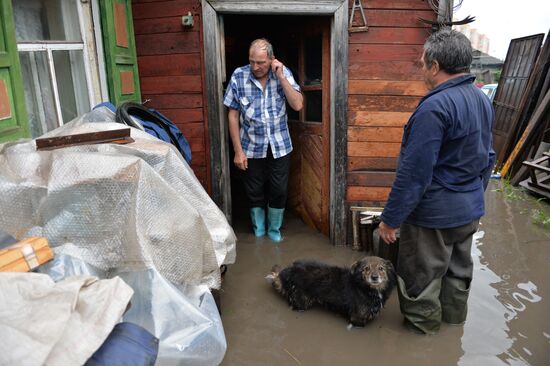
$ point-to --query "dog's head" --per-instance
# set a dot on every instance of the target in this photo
(377, 272)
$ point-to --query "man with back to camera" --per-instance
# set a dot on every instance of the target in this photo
(258, 126)
(437, 199)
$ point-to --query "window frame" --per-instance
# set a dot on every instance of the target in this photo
(86, 27)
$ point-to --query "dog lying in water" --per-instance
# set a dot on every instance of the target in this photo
(359, 293)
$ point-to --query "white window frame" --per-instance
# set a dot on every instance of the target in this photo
(92, 53)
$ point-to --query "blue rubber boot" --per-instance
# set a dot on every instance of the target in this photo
(274, 222)
(257, 216)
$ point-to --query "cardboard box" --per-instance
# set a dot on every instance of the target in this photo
(25, 255)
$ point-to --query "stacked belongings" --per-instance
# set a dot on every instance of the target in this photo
(135, 211)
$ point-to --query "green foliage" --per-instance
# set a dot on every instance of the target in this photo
(510, 192)
(497, 75)
(538, 214)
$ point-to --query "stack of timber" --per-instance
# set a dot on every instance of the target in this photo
(530, 121)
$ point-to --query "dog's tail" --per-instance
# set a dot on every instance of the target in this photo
(273, 278)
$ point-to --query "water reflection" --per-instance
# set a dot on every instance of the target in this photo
(491, 336)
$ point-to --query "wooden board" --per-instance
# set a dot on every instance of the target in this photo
(163, 9)
(371, 179)
(171, 84)
(368, 193)
(387, 87)
(174, 101)
(391, 35)
(121, 136)
(167, 43)
(372, 163)
(25, 255)
(378, 119)
(383, 103)
(165, 25)
(384, 52)
(170, 65)
(374, 149)
(385, 70)
(375, 134)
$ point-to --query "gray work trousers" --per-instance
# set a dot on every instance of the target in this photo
(428, 254)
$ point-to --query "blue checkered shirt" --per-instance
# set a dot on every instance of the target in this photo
(262, 113)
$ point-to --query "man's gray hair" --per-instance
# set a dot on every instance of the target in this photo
(451, 49)
(262, 44)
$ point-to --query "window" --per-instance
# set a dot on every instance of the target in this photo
(59, 81)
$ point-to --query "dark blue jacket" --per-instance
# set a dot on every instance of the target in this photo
(446, 159)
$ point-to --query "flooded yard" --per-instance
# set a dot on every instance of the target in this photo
(509, 306)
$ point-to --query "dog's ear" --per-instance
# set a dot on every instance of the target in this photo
(355, 267)
(389, 265)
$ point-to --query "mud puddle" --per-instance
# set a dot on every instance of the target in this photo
(509, 308)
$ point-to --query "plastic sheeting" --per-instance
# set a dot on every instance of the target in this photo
(129, 208)
(63, 323)
(184, 317)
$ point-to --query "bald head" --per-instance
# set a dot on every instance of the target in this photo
(262, 44)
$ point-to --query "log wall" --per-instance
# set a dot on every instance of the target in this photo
(171, 72)
(385, 85)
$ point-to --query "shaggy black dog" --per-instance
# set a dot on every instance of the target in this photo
(359, 293)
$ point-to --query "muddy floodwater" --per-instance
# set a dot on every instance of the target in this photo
(508, 321)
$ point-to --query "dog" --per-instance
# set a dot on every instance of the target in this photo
(358, 293)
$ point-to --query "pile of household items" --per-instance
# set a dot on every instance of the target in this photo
(110, 249)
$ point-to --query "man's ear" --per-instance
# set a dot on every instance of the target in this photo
(435, 68)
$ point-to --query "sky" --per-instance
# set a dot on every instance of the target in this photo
(503, 20)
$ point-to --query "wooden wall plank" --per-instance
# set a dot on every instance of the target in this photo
(182, 116)
(378, 119)
(171, 84)
(386, 35)
(168, 43)
(359, 52)
(397, 18)
(382, 103)
(171, 101)
(385, 87)
(165, 25)
(394, 4)
(371, 163)
(168, 65)
(371, 179)
(368, 193)
(160, 9)
(199, 159)
(385, 70)
(374, 149)
(375, 134)
(196, 144)
(191, 130)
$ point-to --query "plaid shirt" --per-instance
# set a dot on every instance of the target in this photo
(262, 113)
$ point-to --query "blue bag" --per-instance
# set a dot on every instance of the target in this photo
(127, 344)
(154, 123)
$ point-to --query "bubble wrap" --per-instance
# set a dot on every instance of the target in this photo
(129, 207)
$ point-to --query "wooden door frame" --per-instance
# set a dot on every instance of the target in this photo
(212, 12)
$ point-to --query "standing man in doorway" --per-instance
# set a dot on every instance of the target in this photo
(258, 127)
(437, 199)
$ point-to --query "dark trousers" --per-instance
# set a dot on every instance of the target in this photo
(428, 254)
(266, 181)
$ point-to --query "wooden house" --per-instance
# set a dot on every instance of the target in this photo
(359, 87)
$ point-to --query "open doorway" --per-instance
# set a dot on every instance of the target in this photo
(302, 43)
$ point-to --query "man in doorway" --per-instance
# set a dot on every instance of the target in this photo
(437, 199)
(258, 127)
